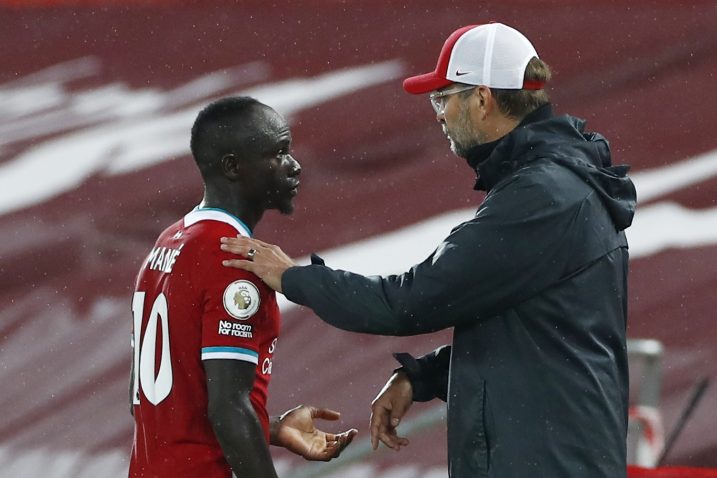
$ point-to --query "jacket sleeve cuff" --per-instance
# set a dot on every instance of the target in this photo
(428, 374)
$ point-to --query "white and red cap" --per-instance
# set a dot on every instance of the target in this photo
(492, 55)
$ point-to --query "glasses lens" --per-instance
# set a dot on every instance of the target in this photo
(439, 98)
(437, 103)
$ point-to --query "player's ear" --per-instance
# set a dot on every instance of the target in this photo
(230, 166)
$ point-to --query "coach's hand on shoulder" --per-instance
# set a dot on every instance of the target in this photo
(295, 431)
(387, 410)
(267, 261)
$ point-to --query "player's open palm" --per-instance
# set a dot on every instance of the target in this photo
(296, 432)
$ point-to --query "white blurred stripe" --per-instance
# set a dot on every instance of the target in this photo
(655, 182)
(43, 463)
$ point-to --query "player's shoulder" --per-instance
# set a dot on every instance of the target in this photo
(202, 230)
(208, 232)
(170, 231)
(217, 221)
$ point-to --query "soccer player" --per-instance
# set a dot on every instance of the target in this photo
(204, 335)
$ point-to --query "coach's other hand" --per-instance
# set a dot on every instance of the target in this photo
(267, 261)
(387, 410)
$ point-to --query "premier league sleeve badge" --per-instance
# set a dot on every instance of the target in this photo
(241, 299)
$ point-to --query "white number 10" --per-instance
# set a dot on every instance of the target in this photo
(156, 388)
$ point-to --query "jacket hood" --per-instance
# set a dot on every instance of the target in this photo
(564, 141)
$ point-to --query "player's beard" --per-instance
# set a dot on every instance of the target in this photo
(286, 207)
(280, 199)
(284, 202)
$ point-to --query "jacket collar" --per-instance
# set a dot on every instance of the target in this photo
(489, 172)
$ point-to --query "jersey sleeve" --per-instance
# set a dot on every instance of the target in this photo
(233, 309)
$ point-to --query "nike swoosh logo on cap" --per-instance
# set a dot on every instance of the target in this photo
(461, 73)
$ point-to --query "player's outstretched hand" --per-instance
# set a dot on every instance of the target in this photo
(295, 431)
(387, 410)
(265, 260)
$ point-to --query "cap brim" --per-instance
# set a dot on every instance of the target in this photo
(425, 83)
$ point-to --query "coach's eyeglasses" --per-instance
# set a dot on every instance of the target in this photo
(439, 98)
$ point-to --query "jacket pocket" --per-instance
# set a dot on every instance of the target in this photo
(469, 455)
(482, 454)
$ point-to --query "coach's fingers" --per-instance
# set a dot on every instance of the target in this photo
(236, 245)
(378, 423)
(390, 438)
(246, 243)
(239, 264)
(382, 430)
(261, 243)
(237, 240)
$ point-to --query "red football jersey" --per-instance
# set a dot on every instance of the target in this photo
(188, 308)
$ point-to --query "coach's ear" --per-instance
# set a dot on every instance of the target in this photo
(230, 166)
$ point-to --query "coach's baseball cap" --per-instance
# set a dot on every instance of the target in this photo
(492, 55)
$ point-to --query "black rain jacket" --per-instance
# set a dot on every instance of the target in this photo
(535, 287)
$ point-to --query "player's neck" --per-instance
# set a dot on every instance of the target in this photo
(250, 216)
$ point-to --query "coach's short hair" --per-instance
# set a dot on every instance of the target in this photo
(519, 103)
(218, 128)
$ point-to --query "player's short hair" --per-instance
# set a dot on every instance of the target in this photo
(519, 103)
(218, 128)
